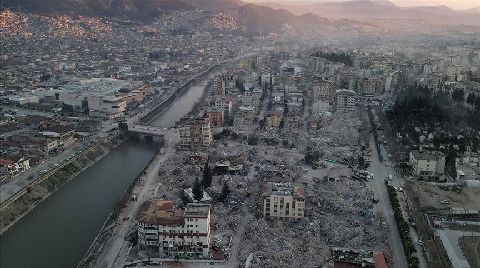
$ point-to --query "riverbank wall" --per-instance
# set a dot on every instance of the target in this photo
(20, 204)
(106, 232)
(147, 118)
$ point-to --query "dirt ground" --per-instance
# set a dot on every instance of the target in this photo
(471, 249)
(431, 195)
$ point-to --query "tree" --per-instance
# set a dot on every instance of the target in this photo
(450, 163)
(471, 99)
(225, 192)
(207, 176)
(477, 104)
(458, 96)
(361, 162)
(197, 191)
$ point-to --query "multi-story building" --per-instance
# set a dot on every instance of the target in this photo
(427, 164)
(283, 201)
(273, 119)
(195, 133)
(218, 86)
(345, 101)
(216, 117)
(176, 233)
(323, 91)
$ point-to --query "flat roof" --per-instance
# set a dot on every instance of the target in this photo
(197, 210)
(160, 212)
(430, 155)
(282, 188)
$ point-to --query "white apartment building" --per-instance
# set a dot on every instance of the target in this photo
(427, 164)
(283, 201)
(176, 233)
(345, 101)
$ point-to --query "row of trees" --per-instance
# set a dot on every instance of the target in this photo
(403, 228)
(458, 96)
(344, 58)
(206, 182)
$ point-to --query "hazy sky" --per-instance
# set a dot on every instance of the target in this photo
(455, 4)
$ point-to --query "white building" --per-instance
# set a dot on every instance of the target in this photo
(345, 101)
(283, 201)
(98, 95)
(427, 164)
(175, 233)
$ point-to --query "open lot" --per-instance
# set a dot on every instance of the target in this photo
(431, 195)
(471, 249)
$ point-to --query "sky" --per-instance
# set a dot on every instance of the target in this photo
(455, 4)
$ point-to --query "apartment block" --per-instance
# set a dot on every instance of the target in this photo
(174, 232)
(283, 201)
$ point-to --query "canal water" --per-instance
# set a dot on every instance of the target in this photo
(184, 103)
(58, 232)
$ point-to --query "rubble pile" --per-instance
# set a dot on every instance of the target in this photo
(339, 214)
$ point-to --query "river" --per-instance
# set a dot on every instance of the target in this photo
(59, 231)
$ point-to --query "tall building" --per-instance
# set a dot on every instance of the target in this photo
(195, 133)
(283, 201)
(176, 233)
(345, 101)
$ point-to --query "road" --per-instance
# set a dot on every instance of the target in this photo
(381, 172)
(20, 181)
(118, 247)
(450, 242)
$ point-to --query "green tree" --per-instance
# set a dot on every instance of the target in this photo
(471, 99)
(207, 176)
(458, 96)
(197, 191)
(477, 103)
(225, 192)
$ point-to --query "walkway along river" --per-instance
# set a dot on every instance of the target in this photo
(59, 231)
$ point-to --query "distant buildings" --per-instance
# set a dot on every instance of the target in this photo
(100, 97)
(283, 201)
(174, 232)
(345, 101)
(195, 133)
(427, 164)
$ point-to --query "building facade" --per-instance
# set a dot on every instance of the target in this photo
(175, 233)
(195, 133)
(345, 101)
(283, 201)
(427, 164)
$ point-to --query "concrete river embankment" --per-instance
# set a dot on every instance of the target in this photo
(60, 229)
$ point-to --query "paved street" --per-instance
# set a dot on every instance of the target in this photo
(381, 172)
(450, 242)
(116, 252)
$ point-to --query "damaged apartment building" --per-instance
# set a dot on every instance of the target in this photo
(283, 201)
(176, 233)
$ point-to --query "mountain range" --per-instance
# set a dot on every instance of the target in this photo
(375, 10)
(267, 17)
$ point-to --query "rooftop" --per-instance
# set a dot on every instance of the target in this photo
(197, 210)
(160, 212)
(430, 156)
(282, 188)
